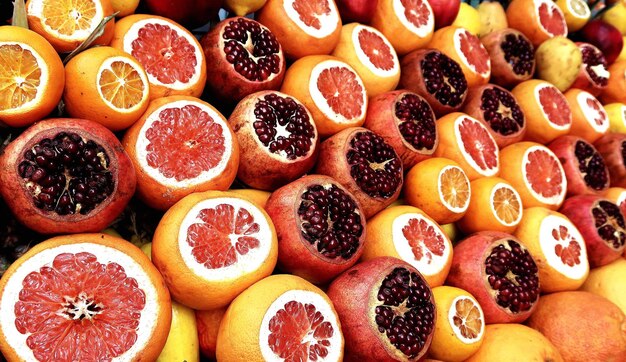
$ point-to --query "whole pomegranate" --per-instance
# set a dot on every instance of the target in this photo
(66, 175)
(386, 309)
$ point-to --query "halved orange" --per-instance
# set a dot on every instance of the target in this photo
(408, 24)
(589, 118)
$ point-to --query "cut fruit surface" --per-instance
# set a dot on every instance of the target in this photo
(408, 24)
(589, 118)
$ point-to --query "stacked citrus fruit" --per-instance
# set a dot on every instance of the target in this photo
(313, 180)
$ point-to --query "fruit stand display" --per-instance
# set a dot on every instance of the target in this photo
(313, 180)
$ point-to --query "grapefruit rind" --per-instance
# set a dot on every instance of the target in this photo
(555, 199)
(105, 255)
(427, 265)
(457, 46)
(549, 122)
(327, 21)
(364, 59)
(424, 30)
(505, 187)
(452, 312)
(591, 113)
(142, 145)
(107, 65)
(320, 100)
(468, 158)
(35, 8)
(245, 264)
(42, 66)
(548, 243)
(133, 33)
(305, 297)
(442, 198)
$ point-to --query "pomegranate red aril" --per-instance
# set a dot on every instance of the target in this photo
(601, 224)
(277, 137)
(436, 77)
(612, 148)
(365, 164)
(497, 269)
(386, 309)
(320, 228)
(594, 74)
(512, 57)
(584, 167)
(407, 122)
(243, 57)
(497, 109)
(66, 176)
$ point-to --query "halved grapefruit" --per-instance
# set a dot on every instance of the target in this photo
(408, 24)
(539, 20)
(589, 118)
(181, 145)
(212, 245)
(281, 318)
(84, 297)
(171, 56)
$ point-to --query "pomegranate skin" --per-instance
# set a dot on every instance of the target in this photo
(579, 210)
(295, 254)
(583, 80)
(468, 272)
(20, 200)
(360, 11)
(333, 162)
(502, 72)
(564, 148)
(612, 147)
(354, 294)
(381, 118)
(223, 81)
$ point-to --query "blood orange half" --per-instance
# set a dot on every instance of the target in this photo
(536, 173)
(85, 297)
(467, 141)
(179, 146)
(408, 24)
(280, 318)
(171, 56)
(539, 20)
(407, 233)
(557, 247)
(212, 245)
(589, 118)
(331, 89)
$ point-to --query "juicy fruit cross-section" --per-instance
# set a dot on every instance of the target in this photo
(313, 180)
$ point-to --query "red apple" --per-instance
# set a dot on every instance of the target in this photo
(604, 36)
(445, 11)
(189, 13)
(360, 11)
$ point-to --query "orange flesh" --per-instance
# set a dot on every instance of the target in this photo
(78, 301)
(121, 85)
(423, 239)
(298, 332)
(69, 16)
(20, 76)
(211, 239)
(467, 318)
(182, 137)
(506, 204)
(455, 187)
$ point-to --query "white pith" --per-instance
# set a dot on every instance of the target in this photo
(498, 186)
(591, 113)
(245, 264)
(304, 297)
(553, 125)
(457, 46)
(322, 103)
(425, 266)
(43, 80)
(456, 210)
(554, 200)
(457, 332)
(133, 33)
(142, 144)
(328, 21)
(423, 31)
(364, 59)
(548, 243)
(106, 65)
(35, 8)
(621, 198)
(105, 255)
(552, 8)
(584, 6)
(457, 134)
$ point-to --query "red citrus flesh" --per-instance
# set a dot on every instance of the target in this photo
(376, 50)
(555, 106)
(479, 144)
(569, 254)
(423, 239)
(551, 20)
(475, 53)
(310, 11)
(543, 173)
(342, 91)
(417, 12)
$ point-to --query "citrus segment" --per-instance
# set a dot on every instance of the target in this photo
(454, 189)
(467, 319)
(408, 24)
(21, 77)
(506, 204)
(89, 290)
(121, 84)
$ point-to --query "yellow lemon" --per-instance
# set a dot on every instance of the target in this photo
(576, 12)
(468, 18)
(616, 16)
(608, 281)
(617, 117)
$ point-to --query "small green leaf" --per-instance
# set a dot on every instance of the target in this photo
(19, 14)
(97, 32)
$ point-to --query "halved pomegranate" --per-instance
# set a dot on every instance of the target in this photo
(242, 57)
(612, 147)
(512, 57)
(594, 74)
(66, 175)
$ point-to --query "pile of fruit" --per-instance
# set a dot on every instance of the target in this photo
(313, 180)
